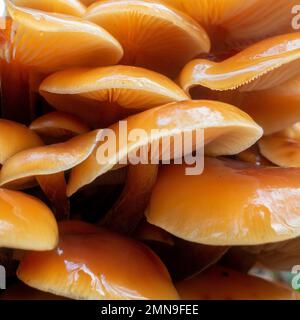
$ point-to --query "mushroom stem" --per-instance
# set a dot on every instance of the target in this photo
(54, 187)
(128, 211)
(17, 99)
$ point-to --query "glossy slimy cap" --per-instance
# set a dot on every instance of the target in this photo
(14, 138)
(282, 148)
(26, 223)
(230, 203)
(218, 283)
(100, 265)
(105, 95)
(263, 65)
(152, 34)
(227, 131)
(49, 159)
(71, 7)
(47, 42)
(58, 125)
(236, 22)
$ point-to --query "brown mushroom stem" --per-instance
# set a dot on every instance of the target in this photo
(17, 102)
(128, 211)
(54, 187)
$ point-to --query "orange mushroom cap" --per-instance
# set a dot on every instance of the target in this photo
(227, 131)
(58, 125)
(263, 65)
(282, 148)
(219, 283)
(153, 35)
(49, 159)
(104, 95)
(283, 255)
(26, 223)
(20, 291)
(274, 109)
(71, 7)
(253, 155)
(47, 42)
(236, 23)
(208, 209)
(14, 138)
(87, 266)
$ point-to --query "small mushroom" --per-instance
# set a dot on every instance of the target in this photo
(263, 65)
(102, 96)
(58, 126)
(71, 7)
(230, 203)
(97, 265)
(282, 148)
(253, 155)
(152, 34)
(219, 283)
(227, 130)
(26, 223)
(46, 160)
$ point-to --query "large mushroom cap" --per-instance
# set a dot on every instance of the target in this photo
(227, 131)
(261, 66)
(103, 96)
(71, 7)
(230, 203)
(100, 265)
(282, 148)
(219, 283)
(26, 223)
(235, 22)
(152, 35)
(49, 42)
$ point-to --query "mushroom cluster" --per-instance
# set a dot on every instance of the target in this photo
(90, 211)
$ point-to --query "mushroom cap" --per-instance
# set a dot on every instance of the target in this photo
(274, 109)
(20, 291)
(227, 131)
(283, 255)
(282, 148)
(47, 42)
(20, 138)
(263, 65)
(49, 159)
(71, 7)
(87, 266)
(253, 155)
(219, 283)
(104, 95)
(59, 125)
(235, 22)
(230, 203)
(26, 223)
(153, 35)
